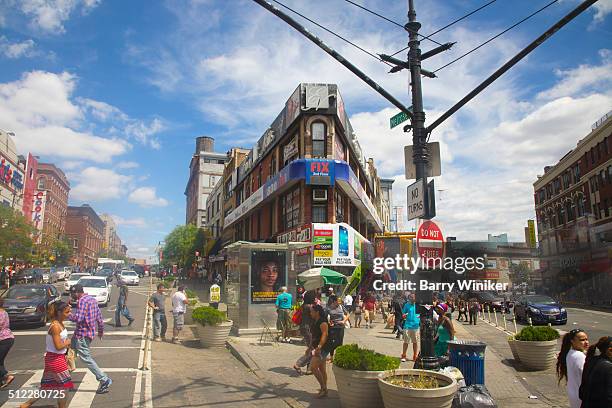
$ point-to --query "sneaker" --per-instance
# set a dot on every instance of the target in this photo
(131, 321)
(157, 339)
(176, 340)
(104, 386)
(403, 359)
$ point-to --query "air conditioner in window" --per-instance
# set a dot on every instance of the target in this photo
(319, 195)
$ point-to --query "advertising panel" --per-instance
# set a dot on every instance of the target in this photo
(532, 234)
(268, 275)
(38, 213)
(336, 244)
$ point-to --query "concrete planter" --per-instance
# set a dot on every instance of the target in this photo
(358, 389)
(189, 313)
(395, 396)
(214, 336)
(512, 344)
(536, 355)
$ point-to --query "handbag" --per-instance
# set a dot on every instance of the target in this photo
(71, 359)
(297, 317)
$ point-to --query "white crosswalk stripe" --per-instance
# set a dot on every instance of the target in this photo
(32, 383)
(86, 392)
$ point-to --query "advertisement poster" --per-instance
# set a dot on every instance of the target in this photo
(336, 244)
(268, 275)
(323, 238)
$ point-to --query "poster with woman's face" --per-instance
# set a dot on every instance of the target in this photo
(268, 275)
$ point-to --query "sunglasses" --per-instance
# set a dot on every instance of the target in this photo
(575, 331)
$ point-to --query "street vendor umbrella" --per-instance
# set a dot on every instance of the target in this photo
(317, 277)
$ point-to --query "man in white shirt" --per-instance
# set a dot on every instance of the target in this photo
(348, 302)
(179, 307)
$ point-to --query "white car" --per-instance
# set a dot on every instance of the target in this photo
(97, 287)
(130, 277)
(72, 280)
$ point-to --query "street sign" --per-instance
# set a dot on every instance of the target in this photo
(434, 167)
(399, 118)
(430, 242)
(416, 200)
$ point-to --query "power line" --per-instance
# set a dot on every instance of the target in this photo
(498, 35)
(333, 33)
(451, 23)
(391, 21)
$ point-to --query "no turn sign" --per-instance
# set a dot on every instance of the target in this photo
(430, 242)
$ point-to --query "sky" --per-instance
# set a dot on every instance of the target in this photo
(115, 92)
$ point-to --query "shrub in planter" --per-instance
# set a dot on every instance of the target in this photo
(356, 371)
(535, 347)
(212, 326)
(418, 388)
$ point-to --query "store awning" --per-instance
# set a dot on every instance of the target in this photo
(317, 277)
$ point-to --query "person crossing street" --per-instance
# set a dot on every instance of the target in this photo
(122, 309)
(88, 318)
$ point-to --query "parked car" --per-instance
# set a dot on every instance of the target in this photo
(30, 275)
(72, 280)
(130, 277)
(28, 304)
(541, 309)
(97, 287)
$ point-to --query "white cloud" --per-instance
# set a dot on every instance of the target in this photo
(143, 132)
(127, 165)
(137, 222)
(94, 184)
(602, 9)
(39, 110)
(102, 110)
(50, 15)
(17, 49)
(147, 197)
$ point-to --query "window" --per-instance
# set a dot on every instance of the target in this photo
(272, 171)
(557, 186)
(595, 212)
(41, 183)
(318, 139)
(606, 204)
(560, 215)
(570, 209)
(592, 157)
(549, 191)
(566, 180)
(605, 145)
(319, 213)
(581, 206)
(290, 209)
(541, 196)
(339, 204)
(576, 173)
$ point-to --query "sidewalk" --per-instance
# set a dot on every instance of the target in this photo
(187, 375)
(272, 363)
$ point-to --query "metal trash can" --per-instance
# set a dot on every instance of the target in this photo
(469, 357)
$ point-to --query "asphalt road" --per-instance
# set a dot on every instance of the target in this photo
(119, 354)
(596, 324)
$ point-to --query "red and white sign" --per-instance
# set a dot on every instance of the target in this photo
(430, 242)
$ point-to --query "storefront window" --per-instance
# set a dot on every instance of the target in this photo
(319, 213)
(318, 139)
(290, 209)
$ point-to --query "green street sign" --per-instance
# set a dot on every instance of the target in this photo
(399, 118)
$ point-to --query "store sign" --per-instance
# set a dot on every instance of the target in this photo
(334, 244)
(38, 214)
(10, 175)
(291, 148)
(532, 234)
(320, 172)
(300, 234)
(317, 96)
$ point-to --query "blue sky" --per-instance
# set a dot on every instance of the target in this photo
(115, 92)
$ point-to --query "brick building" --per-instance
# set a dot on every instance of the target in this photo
(85, 230)
(573, 205)
(53, 186)
(308, 167)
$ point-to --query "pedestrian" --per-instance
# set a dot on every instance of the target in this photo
(56, 375)
(596, 387)
(304, 360)
(320, 332)
(369, 306)
(7, 339)
(179, 307)
(337, 317)
(160, 324)
(411, 328)
(358, 312)
(122, 309)
(462, 311)
(348, 303)
(396, 308)
(474, 307)
(87, 318)
(570, 363)
(445, 332)
(283, 303)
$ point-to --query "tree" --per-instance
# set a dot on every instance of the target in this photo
(15, 235)
(62, 251)
(181, 245)
(519, 273)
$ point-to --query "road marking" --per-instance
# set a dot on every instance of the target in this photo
(149, 382)
(78, 370)
(85, 394)
(33, 382)
(115, 347)
(108, 333)
(597, 312)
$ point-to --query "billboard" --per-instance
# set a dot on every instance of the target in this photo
(336, 244)
(38, 213)
(268, 275)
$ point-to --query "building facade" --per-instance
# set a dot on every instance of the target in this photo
(12, 174)
(112, 241)
(53, 188)
(205, 169)
(30, 184)
(573, 205)
(307, 168)
(386, 187)
(85, 231)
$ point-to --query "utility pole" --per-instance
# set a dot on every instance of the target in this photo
(420, 156)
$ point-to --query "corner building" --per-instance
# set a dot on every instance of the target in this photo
(307, 167)
(573, 205)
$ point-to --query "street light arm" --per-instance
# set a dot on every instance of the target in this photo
(302, 30)
(518, 57)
